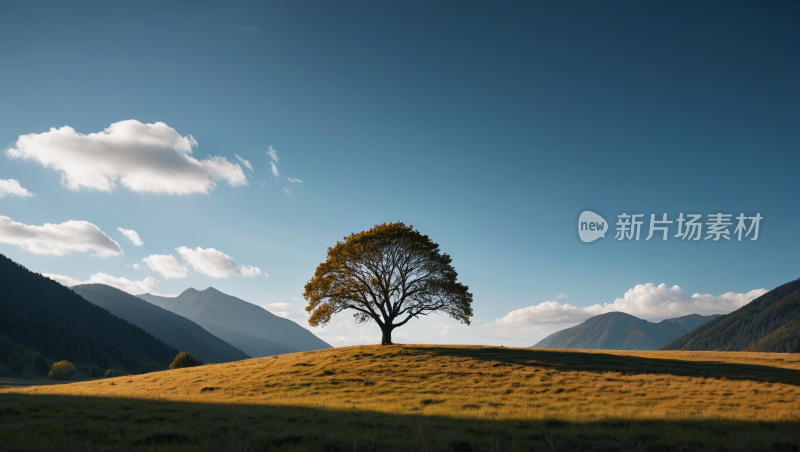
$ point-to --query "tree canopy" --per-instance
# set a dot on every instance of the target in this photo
(388, 274)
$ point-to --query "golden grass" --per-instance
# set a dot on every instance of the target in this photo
(475, 385)
(475, 382)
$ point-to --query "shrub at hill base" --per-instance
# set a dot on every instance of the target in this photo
(62, 370)
(185, 359)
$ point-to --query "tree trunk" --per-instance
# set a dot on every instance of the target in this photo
(387, 335)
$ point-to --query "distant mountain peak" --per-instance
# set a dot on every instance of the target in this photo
(621, 331)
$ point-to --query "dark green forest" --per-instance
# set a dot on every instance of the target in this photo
(785, 339)
(770, 323)
(51, 319)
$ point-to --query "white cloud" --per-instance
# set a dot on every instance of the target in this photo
(132, 236)
(273, 154)
(562, 296)
(274, 170)
(146, 158)
(244, 162)
(136, 266)
(58, 239)
(147, 285)
(646, 301)
(12, 187)
(168, 266)
(294, 180)
(263, 183)
(286, 190)
(215, 264)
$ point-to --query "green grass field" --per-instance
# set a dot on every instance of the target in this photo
(425, 398)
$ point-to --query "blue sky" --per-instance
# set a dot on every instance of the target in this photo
(487, 126)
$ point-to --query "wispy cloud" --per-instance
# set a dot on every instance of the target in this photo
(58, 239)
(167, 266)
(286, 190)
(274, 170)
(132, 236)
(244, 162)
(12, 187)
(147, 285)
(273, 154)
(145, 158)
(215, 264)
(294, 180)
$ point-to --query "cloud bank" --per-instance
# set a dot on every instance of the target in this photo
(167, 266)
(12, 187)
(145, 158)
(147, 285)
(215, 264)
(58, 239)
(132, 236)
(646, 301)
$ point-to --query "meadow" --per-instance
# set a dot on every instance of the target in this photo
(425, 398)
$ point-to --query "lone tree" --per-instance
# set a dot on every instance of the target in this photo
(389, 274)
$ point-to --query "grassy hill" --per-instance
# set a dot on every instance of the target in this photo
(456, 398)
(748, 325)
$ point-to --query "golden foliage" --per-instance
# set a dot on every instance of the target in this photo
(62, 370)
(388, 274)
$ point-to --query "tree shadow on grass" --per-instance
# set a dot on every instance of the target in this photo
(67, 423)
(605, 362)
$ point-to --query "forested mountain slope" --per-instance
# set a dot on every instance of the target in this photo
(749, 324)
(40, 313)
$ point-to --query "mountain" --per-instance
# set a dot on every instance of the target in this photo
(620, 331)
(785, 339)
(246, 326)
(768, 323)
(173, 329)
(41, 314)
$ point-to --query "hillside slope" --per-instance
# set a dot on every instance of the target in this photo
(40, 313)
(785, 339)
(621, 331)
(219, 313)
(481, 382)
(173, 329)
(747, 325)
